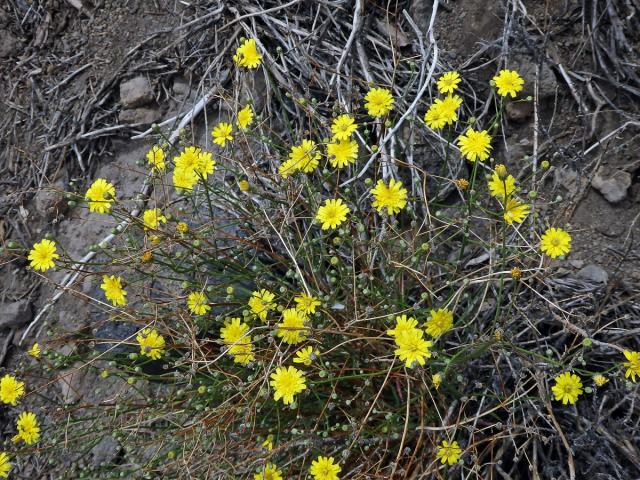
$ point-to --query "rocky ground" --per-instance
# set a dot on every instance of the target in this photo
(83, 80)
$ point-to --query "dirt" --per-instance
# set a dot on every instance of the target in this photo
(61, 69)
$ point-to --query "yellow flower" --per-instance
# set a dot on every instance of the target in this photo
(235, 335)
(222, 133)
(500, 188)
(568, 388)
(437, 380)
(247, 55)
(343, 127)
(206, 164)
(188, 159)
(392, 197)
(443, 112)
(151, 343)
(324, 468)
(403, 324)
(475, 145)
(245, 117)
(439, 322)
(11, 390)
(261, 302)
(448, 82)
(155, 158)
(306, 303)
(100, 195)
(304, 157)
(28, 428)
(146, 256)
(268, 443)
(305, 356)
(5, 465)
(342, 153)
(35, 351)
(291, 327)
(270, 472)
(197, 303)
(287, 168)
(633, 364)
(332, 214)
(287, 382)
(379, 102)
(515, 211)
(449, 452)
(42, 255)
(516, 273)
(182, 228)
(113, 290)
(152, 218)
(555, 242)
(184, 178)
(600, 379)
(412, 348)
(243, 185)
(508, 82)
(461, 183)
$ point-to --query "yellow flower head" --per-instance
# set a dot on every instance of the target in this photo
(632, 365)
(235, 336)
(11, 390)
(35, 351)
(305, 356)
(412, 348)
(500, 188)
(439, 322)
(222, 133)
(247, 55)
(42, 255)
(508, 82)
(245, 117)
(449, 452)
(306, 303)
(206, 164)
(568, 388)
(155, 158)
(515, 211)
(343, 127)
(152, 218)
(268, 443)
(291, 328)
(332, 214)
(182, 228)
(287, 382)
(197, 303)
(448, 82)
(28, 428)
(555, 242)
(461, 183)
(304, 157)
(188, 159)
(475, 145)
(101, 195)
(243, 185)
(516, 273)
(5, 465)
(270, 472)
(600, 380)
(392, 197)
(113, 290)
(184, 178)
(287, 168)
(437, 380)
(379, 102)
(443, 112)
(342, 153)
(403, 324)
(151, 343)
(325, 468)
(261, 302)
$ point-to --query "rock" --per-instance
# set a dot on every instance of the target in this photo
(15, 314)
(526, 67)
(48, 203)
(8, 44)
(576, 263)
(116, 337)
(569, 179)
(105, 451)
(612, 185)
(519, 111)
(181, 88)
(135, 92)
(144, 116)
(593, 273)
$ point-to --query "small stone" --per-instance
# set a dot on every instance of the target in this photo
(526, 67)
(15, 314)
(519, 111)
(576, 263)
(9, 44)
(612, 185)
(593, 273)
(135, 92)
(105, 450)
(144, 116)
